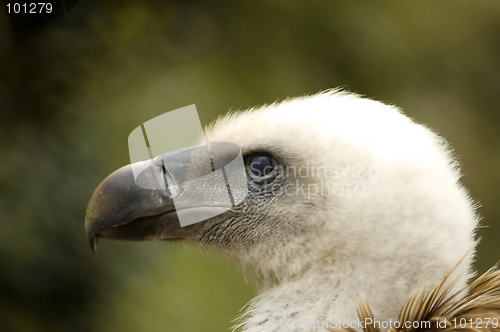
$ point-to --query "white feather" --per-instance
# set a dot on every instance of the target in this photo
(391, 213)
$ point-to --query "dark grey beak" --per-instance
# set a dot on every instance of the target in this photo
(198, 183)
(120, 209)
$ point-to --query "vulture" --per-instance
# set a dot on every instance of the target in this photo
(354, 219)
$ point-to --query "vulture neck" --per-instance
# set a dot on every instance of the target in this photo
(330, 290)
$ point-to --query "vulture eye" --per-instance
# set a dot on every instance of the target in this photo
(261, 167)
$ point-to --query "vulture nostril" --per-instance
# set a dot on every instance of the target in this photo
(171, 185)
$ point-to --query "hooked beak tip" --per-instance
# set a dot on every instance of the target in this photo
(92, 242)
(93, 246)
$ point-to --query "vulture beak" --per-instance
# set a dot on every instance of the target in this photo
(148, 200)
(118, 201)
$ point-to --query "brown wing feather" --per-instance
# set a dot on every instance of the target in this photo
(475, 308)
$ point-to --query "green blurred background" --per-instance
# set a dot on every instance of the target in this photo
(73, 89)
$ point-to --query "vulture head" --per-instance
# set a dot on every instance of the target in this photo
(347, 198)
